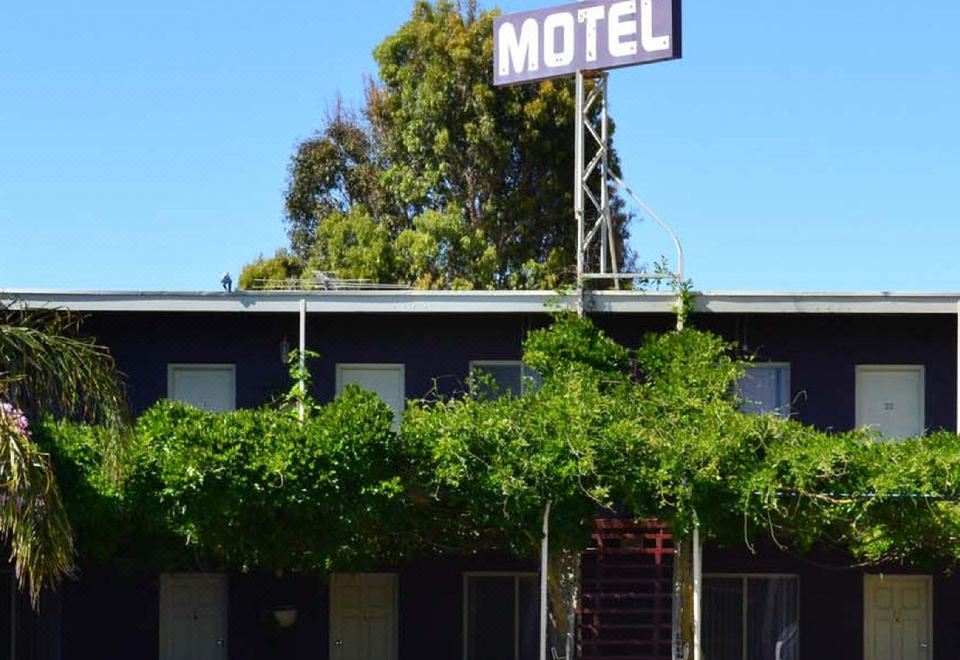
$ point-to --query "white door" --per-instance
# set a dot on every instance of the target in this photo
(890, 399)
(363, 616)
(897, 617)
(193, 617)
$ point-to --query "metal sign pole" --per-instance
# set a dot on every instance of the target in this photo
(586, 40)
(594, 180)
(578, 206)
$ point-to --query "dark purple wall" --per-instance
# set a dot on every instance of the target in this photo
(144, 344)
(431, 604)
(254, 634)
(109, 616)
(106, 615)
(436, 348)
(823, 351)
(831, 599)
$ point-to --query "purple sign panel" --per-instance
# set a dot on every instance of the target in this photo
(597, 34)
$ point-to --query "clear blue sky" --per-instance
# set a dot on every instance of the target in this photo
(797, 146)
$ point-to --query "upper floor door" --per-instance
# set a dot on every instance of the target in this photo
(890, 399)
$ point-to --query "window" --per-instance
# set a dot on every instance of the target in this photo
(751, 617)
(510, 377)
(765, 388)
(890, 399)
(501, 616)
(206, 386)
(384, 380)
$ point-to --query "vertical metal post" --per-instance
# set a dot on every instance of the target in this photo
(957, 429)
(679, 584)
(544, 563)
(13, 615)
(593, 181)
(609, 237)
(303, 356)
(578, 206)
(697, 589)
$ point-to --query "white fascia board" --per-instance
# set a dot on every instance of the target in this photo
(484, 302)
(289, 302)
(741, 302)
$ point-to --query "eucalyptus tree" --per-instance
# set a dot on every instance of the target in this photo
(440, 180)
(46, 368)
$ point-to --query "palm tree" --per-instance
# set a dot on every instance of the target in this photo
(46, 368)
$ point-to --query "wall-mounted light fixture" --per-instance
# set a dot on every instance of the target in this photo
(284, 349)
(285, 615)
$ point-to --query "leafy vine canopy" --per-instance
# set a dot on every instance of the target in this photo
(651, 431)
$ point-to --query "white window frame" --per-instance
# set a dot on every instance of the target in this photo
(173, 367)
(786, 410)
(516, 604)
(861, 369)
(524, 369)
(376, 366)
(744, 578)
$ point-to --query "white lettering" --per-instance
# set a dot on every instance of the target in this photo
(520, 52)
(551, 56)
(590, 16)
(650, 43)
(622, 22)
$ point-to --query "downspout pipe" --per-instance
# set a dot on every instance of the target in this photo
(544, 562)
(302, 357)
(697, 589)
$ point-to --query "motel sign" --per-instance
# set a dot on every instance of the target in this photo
(584, 36)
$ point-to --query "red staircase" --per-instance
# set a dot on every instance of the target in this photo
(626, 603)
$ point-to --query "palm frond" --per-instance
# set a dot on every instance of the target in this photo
(46, 368)
(33, 520)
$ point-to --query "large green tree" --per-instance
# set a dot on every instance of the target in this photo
(441, 180)
(46, 368)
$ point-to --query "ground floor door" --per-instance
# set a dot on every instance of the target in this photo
(897, 617)
(193, 617)
(363, 616)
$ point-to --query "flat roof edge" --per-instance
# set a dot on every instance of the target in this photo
(621, 302)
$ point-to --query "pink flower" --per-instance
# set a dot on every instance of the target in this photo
(16, 416)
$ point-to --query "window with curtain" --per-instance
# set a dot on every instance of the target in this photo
(502, 617)
(765, 388)
(751, 618)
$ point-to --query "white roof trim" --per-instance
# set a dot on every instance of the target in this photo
(509, 302)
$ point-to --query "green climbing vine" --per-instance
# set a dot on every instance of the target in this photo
(652, 430)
